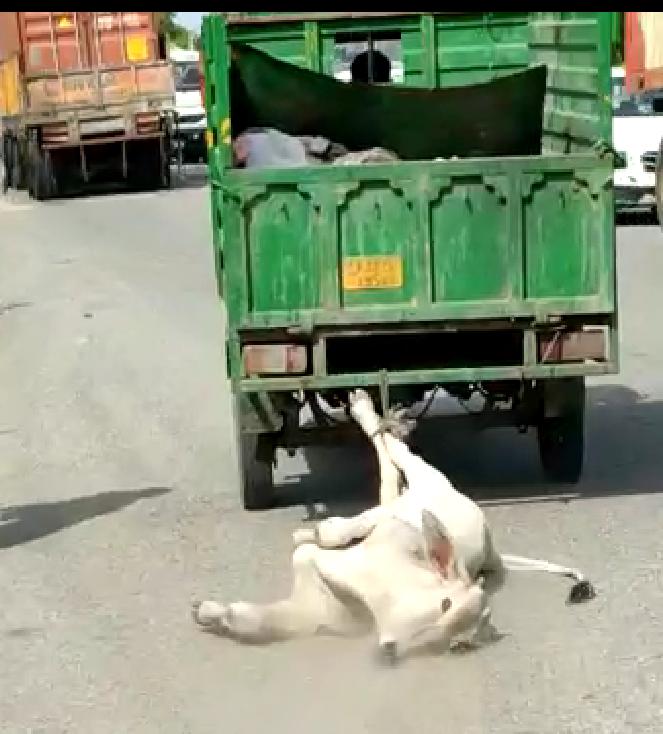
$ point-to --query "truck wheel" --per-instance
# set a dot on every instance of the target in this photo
(7, 163)
(561, 437)
(256, 453)
(16, 170)
(42, 184)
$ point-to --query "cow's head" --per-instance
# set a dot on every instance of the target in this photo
(453, 605)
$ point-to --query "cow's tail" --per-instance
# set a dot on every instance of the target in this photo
(581, 591)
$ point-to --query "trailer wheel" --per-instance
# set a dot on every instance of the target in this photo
(6, 163)
(11, 157)
(41, 183)
(561, 436)
(256, 452)
(16, 169)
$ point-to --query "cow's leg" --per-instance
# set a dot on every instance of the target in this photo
(414, 468)
(311, 608)
(337, 532)
(363, 411)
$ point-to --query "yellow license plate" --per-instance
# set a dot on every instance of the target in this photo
(362, 273)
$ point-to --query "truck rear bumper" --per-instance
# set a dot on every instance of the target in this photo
(423, 377)
(420, 354)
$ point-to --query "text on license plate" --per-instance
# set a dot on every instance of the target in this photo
(383, 271)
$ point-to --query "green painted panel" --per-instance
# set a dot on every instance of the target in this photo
(563, 233)
(284, 257)
(376, 220)
(287, 46)
(576, 48)
(473, 259)
(521, 238)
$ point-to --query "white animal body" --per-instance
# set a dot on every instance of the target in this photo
(421, 566)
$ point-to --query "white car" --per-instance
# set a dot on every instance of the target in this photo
(637, 131)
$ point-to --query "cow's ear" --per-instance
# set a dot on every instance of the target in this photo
(439, 548)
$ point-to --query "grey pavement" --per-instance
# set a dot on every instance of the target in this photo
(119, 505)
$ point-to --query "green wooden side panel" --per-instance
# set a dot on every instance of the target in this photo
(377, 220)
(283, 264)
(477, 238)
(472, 258)
(284, 43)
(564, 247)
(476, 47)
(501, 238)
(576, 48)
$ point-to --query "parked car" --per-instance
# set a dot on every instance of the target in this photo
(637, 130)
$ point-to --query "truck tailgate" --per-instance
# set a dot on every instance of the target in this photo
(413, 241)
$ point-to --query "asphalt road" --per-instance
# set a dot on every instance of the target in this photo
(119, 505)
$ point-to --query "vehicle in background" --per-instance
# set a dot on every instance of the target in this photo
(190, 117)
(643, 61)
(637, 129)
(84, 97)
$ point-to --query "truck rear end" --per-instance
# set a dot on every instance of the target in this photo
(94, 96)
(481, 262)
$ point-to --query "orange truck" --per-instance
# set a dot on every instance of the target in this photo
(84, 97)
(643, 65)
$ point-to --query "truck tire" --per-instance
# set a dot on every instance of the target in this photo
(256, 453)
(561, 437)
(17, 182)
(11, 156)
(41, 185)
(6, 163)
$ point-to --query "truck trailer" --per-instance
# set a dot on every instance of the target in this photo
(84, 97)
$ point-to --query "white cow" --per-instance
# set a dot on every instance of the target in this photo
(422, 571)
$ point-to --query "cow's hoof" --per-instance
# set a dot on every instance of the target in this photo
(580, 592)
(209, 615)
(304, 535)
(355, 396)
(388, 654)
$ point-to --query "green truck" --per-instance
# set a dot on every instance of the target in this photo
(482, 261)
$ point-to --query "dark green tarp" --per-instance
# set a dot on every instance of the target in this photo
(498, 118)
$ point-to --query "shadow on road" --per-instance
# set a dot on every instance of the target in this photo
(23, 523)
(623, 456)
